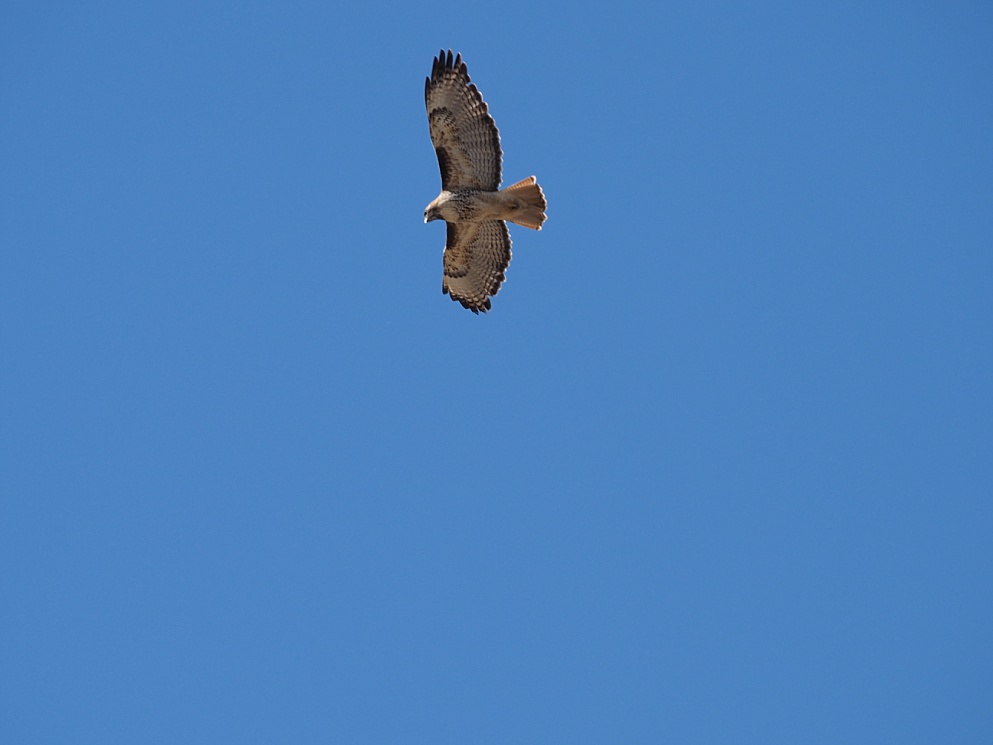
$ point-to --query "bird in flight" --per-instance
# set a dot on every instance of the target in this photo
(472, 204)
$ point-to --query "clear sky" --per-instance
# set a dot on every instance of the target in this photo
(716, 468)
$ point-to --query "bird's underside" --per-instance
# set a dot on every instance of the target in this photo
(476, 210)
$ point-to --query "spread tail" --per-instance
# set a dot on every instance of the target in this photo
(529, 203)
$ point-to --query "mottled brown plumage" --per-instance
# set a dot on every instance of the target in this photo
(467, 143)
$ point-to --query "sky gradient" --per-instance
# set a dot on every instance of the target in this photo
(717, 466)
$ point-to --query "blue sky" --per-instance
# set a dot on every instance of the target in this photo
(717, 467)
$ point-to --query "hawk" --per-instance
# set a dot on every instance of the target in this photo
(475, 208)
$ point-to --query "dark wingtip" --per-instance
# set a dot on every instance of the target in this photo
(438, 65)
(465, 303)
(446, 61)
(476, 308)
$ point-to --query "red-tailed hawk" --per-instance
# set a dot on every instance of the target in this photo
(466, 140)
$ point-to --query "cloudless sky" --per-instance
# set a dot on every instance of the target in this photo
(716, 468)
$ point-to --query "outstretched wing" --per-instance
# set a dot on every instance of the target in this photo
(476, 259)
(465, 137)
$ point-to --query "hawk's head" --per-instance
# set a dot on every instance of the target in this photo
(442, 208)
